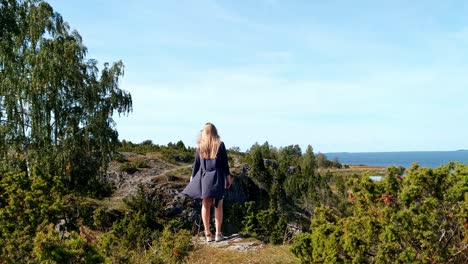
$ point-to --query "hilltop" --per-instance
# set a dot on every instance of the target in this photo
(167, 177)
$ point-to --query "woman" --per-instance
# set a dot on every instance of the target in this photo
(210, 177)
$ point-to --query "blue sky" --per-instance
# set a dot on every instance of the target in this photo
(351, 76)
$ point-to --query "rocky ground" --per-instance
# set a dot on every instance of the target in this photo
(235, 242)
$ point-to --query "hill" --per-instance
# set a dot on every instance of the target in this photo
(167, 177)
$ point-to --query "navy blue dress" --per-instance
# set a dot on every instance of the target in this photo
(209, 176)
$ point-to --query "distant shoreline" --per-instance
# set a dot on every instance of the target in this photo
(396, 151)
(430, 159)
(365, 166)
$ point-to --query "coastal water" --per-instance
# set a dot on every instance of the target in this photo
(430, 159)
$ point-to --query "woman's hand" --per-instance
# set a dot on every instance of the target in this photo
(228, 181)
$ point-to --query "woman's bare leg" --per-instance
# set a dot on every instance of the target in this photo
(205, 213)
(218, 217)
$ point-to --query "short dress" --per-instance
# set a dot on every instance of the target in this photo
(209, 176)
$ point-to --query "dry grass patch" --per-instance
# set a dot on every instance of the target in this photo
(154, 155)
(114, 202)
(182, 174)
(357, 169)
(266, 255)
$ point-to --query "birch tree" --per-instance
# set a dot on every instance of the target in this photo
(56, 107)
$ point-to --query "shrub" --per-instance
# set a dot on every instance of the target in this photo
(132, 167)
(302, 247)
(141, 164)
(420, 218)
(268, 225)
(50, 248)
(129, 168)
(174, 246)
(25, 204)
(101, 219)
(119, 157)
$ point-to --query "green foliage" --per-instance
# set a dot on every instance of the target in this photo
(233, 215)
(117, 249)
(292, 180)
(56, 107)
(291, 153)
(50, 248)
(174, 245)
(132, 167)
(119, 157)
(143, 148)
(177, 152)
(235, 149)
(148, 204)
(135, 231)
(267, 151)
(25, 204)
(129, 168)
(419, 218)
(250, 222)
(258, 171)
(302, 247)
(304, 185)
(141, 164)
(323, 162)
(131, 233)
(101, 219)
(132, 241)
(268, 225)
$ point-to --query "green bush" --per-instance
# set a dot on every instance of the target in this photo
(101, 219)
(234, 214)
(25, 204)
(268, 225)
(129, 168)
(119, 157)
(131, 233)
(148, 204)
(418, 218)
(141, 164)
(302, 247)
(174, 246)
(50, 248)
(250, 222)
(173, 152)
(132, 167)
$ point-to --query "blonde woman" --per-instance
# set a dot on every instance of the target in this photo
(210, 177)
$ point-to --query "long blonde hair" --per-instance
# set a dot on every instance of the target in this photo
(208, 142)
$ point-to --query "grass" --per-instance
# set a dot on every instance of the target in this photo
(182, 174)
(268, 254)
(357, 169)
(177, 176)
(113, 202)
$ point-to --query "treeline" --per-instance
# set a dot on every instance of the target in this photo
(290, 187)
(177, 152)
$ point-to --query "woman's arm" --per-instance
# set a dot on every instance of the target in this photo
(196, 165)
(225, 164)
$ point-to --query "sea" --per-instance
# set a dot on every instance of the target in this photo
(431, 159)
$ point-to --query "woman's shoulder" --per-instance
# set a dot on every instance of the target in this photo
(221, 145)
